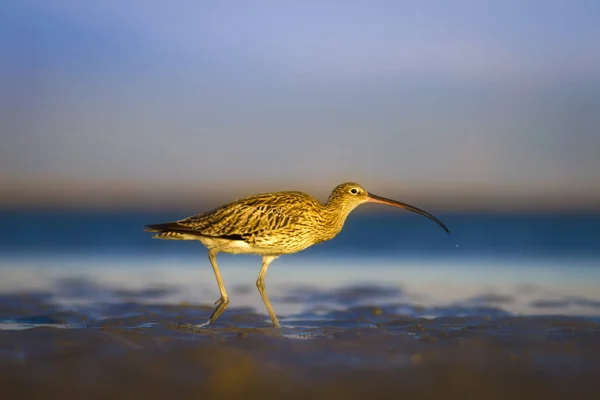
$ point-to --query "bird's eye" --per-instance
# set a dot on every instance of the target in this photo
(353, 190)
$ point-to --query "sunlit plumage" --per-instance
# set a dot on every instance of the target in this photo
(270, 225)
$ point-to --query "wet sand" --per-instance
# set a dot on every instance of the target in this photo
(147, 349)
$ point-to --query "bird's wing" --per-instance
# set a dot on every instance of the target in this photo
(250, 217)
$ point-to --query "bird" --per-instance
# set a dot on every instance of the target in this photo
(271, 225)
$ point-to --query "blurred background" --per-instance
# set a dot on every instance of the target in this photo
(118, 114)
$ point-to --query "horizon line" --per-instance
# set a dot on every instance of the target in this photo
(460, 198)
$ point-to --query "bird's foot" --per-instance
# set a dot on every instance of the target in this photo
(204, 325)
(221, 305)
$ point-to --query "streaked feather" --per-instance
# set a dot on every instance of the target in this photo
(285, 222)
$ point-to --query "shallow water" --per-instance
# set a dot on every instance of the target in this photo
(117, 328)
(309, 290)
(87, 338)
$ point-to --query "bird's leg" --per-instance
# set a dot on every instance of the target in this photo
(260, 284)
(223, 302)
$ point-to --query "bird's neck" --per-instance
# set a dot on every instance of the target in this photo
(335, 213)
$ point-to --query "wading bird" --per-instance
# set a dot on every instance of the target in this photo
(270, 225)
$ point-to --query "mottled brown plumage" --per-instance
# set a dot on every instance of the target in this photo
(271, 224)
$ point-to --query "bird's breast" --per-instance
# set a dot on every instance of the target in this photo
(293, 238)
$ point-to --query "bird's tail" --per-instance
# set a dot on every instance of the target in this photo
(168, 231)
(160, 227)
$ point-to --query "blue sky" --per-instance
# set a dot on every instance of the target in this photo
(435, 97)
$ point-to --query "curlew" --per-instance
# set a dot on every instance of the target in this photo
(271, 225)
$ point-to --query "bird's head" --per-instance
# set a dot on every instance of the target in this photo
(350, 195)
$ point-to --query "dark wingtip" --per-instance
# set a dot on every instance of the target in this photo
(157, 227)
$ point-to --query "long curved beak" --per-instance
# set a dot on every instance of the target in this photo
(382, 200)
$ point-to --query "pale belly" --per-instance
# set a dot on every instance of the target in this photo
(267, 246)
